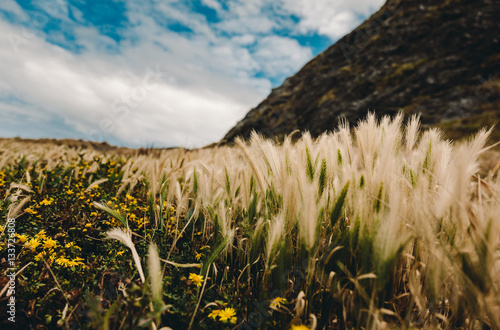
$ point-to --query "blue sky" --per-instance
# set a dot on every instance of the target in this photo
(154, 73)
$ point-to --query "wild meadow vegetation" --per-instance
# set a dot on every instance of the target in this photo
(379, 226)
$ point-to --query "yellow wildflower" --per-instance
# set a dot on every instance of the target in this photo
(213, 314)
(72, 263)
(49, 243)
(41, 234)
(32, 243)
(72, 245)
(76, 262)
(88, 225)
(70, 192)
(276, 302)
(47, 201)
(227, 314)
(40, 256)
(300, 327)
(63, 261)
(119, 253)
(30, 210)
(198, 256)
(196, 279)
(22, 238)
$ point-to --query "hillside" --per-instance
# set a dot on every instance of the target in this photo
(21, 144)
(437, 58)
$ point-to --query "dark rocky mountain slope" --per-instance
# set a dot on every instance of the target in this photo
(440, 58)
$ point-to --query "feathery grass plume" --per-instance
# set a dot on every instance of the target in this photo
(309, 211)
(339, 203)
(15, 207)
(115, 214)
(210, 187)
(95, 184)
(412, 131)
(239, 142)
(475, 147)
(269, 154)
(21, 187)
(195, 183)
(155, 274)
(274, 238)
(123, 236)
(224, 225)
(322, 178)
(290, 205)
(368, 139)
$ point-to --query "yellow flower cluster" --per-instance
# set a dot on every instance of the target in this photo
(2, 178)
(87, 226)
(47, 201)
(65, 262)
(224, 315)
(50, 246)
(131, 200)
(33, 210)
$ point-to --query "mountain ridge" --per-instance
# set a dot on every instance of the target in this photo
(439, 59)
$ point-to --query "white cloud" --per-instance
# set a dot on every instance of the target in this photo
(243, 40)
(214, 4)
(12, 7)
(189, 104)
(331, 18)
(279, 55)
(247, 24)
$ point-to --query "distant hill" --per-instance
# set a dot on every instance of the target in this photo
(437, 58)
(103, 147)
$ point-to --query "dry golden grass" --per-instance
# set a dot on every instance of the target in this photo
(397, 227)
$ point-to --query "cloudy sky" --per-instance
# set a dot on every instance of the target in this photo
(154, 72)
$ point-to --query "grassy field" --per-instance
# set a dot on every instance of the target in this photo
(380, 226)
